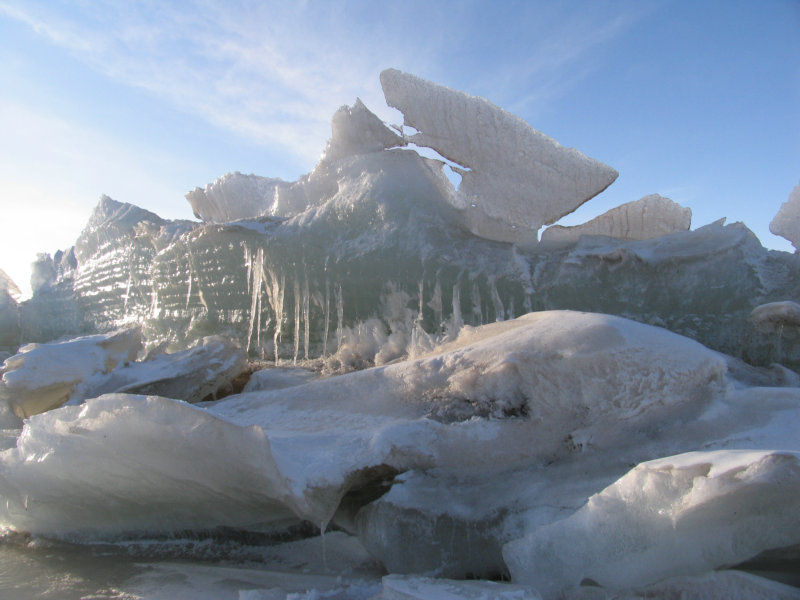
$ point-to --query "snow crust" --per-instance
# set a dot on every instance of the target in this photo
(42, 376)
(649, 217)
(786, 223)
(514, 178)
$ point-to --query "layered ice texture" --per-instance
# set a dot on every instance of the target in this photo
(609, 413)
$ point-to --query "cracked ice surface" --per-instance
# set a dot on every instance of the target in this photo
(516, 178)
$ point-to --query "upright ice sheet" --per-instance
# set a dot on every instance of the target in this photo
(643, 219)
(515, 179)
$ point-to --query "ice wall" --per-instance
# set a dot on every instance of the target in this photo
(369, 258)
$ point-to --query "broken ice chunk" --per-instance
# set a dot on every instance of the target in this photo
(787, 222)
(516, 179)
(191, 375)
(42, 376)
(235, 196)
(643, 219)
(680, 515)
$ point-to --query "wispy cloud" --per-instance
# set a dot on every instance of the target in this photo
(272, 74)
(275, 72)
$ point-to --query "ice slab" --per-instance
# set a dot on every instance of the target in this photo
(235, 196)
(123, 464)
(515, 179)
(209, 366)
(43, 376)
(406, 587)
(786, 223)
(643, 219)
(676, 516)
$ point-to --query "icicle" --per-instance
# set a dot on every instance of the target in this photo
(457, 321)
(255, 297)
(327, 316)
(527, 305)
(306, 315)
(189, 287)
(275, 293)
(510, 310)
(435, 304)
(322, 527)
(249, 264)
(499, 311)
(339, 316)
(296, 319)
(477, 309)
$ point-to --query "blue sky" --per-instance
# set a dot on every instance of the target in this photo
(143, 101)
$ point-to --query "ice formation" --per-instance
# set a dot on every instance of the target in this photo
(787, 222)
(366, 259)
(470, 441)
(514, 179)
(643, 219)
(43, 376)
(681, 515)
